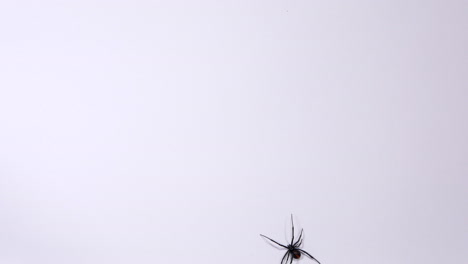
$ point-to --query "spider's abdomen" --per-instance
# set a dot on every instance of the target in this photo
(296, 254)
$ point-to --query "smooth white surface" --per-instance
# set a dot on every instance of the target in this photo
(177, 131)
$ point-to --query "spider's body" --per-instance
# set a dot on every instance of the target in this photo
(293, 249)
(295, 253)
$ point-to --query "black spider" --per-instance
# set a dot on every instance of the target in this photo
(293, 249)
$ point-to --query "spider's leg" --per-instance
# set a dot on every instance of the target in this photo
(310, 256)
(298, 242)
(292, 223)
(291, 259)
(273, 241)
(286, 254)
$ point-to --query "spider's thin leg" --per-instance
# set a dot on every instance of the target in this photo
(310, 256)
(292, 223)
(291, 259)
(299, 243)
(299, 239)
(286, 254)
(273, 241)
(289, 256)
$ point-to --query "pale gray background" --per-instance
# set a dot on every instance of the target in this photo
(177, 131)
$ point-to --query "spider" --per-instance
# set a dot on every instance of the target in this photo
(294, 252)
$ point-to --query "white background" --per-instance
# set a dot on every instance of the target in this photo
(177, 131)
